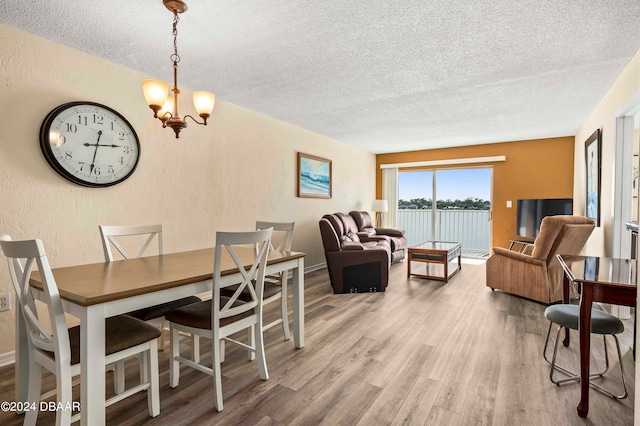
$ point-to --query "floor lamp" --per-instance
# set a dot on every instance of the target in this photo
(379, 206)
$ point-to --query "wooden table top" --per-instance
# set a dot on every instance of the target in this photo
(604, 270)
(102, 282)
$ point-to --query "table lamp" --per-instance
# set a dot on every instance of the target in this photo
(379, 206)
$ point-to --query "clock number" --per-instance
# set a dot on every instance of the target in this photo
(121, 161)
(112, 125)
(121, 136)
(82, 120)
(68, 155)
(97, 119)
(96, 171)
(71, 128)
(111, 170)
(126, 149)
(62, 140)
(81, 165)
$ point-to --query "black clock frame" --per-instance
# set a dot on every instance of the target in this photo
(45, 145)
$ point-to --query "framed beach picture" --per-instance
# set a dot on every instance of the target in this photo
(593, 159)
(314, 176)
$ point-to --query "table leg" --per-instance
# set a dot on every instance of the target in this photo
(565, 299)
(586, 299)
(298, 304)
(92, 360)
(446, 268)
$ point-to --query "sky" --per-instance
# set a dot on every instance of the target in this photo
(456, 184)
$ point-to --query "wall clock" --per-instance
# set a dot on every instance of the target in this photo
(89, 144)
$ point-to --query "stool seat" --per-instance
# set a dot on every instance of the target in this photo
(567, 316)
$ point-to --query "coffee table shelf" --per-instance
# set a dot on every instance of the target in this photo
(440, 252)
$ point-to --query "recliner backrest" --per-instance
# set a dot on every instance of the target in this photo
(330, 239)
(363, 220)
(563, 234)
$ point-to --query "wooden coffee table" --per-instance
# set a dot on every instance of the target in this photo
(440, 252)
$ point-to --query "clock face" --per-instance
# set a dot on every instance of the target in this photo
(89, 144)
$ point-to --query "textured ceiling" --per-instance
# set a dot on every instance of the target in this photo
(385, 76)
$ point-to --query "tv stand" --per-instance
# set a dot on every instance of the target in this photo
(521, 245)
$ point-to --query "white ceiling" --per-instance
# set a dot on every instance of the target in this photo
(385, 76)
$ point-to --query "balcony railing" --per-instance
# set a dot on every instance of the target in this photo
(470, 227)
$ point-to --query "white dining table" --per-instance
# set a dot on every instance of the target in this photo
(98, 291)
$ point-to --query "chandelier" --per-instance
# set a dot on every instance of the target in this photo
(156, 92)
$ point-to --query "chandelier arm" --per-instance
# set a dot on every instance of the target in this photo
(204, 119)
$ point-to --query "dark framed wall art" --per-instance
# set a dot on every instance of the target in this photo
(593, 159)
(314, 176)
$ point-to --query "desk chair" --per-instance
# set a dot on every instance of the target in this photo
(220, 317)
(566, 316)
(59, 350)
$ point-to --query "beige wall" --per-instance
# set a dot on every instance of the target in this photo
(224, 176)
(603, 117)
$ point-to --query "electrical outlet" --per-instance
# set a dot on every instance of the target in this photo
(5, 302)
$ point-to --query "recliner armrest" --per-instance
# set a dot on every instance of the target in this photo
(391, 232)
(352, 246)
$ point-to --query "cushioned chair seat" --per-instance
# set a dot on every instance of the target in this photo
(161, 310)
(198, 315)
(270, 289)
(567, 316)
(121, 332)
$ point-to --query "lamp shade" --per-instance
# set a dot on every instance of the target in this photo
(204, 102)
(380, 206)
(155, 92)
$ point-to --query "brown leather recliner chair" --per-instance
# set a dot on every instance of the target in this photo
(536, 274)
(368, 232)
(354, 266)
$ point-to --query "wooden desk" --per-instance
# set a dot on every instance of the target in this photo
(101, 290)
(598, 279)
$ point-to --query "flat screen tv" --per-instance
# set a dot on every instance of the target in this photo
(530, 213)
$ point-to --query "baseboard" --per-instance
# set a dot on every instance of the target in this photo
(316, 267)
(7, 358)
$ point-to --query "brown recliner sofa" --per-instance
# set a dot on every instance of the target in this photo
(536, 274)
(354, 266)
(368, 232)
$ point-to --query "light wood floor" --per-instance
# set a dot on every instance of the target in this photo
(423, 352)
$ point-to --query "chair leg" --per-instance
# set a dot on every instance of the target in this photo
(118, 376)
(153, 393)
(161, 346)
(624, 383)
(223, 350)
(259, 346)
(217, 372)
(64, 399)
(174, 365)
(144, 367)
(33, 393)
(252, 342)
(195, 348)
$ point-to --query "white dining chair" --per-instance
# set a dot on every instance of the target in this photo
(58, 349)
(110, 238)
(275, 286)
(217, 319)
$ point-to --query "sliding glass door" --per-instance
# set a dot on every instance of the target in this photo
(461, 212)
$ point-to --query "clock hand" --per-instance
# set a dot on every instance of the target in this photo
(109, 146)
(94, 153)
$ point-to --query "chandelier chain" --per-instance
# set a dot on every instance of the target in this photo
(175, 57)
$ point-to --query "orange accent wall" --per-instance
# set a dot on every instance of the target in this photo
(541, 168)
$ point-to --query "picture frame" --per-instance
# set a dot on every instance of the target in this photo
(593, 170)
(314, 177)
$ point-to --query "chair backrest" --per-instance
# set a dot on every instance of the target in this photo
(284, 228)
(109, 236)
(252, 279)
(563, 234)
(23, 257)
